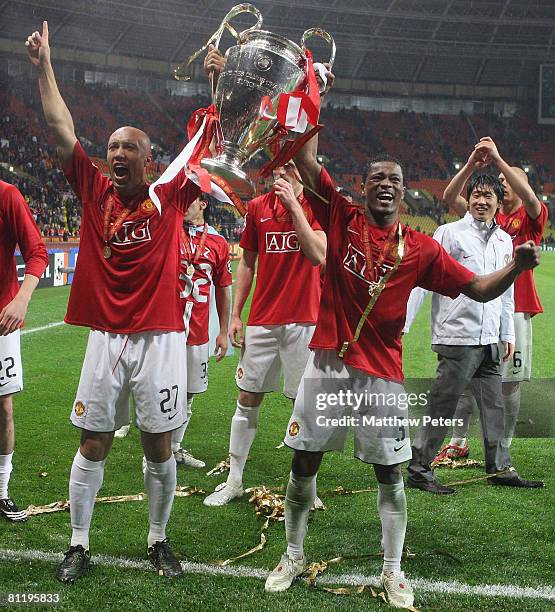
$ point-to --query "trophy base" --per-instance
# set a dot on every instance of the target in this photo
(234, 176)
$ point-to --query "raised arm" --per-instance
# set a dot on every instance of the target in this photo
(313, 243)
(514, 176)
(453, 192)
(243, 284)
(57, 114)
(489, 286)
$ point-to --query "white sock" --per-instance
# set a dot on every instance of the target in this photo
(392, 508)
(243, 432)
(160, 482)
(299, 497)
(84, 483)
(511, 408)
(179, 433)
(5, 471)
(455, 441)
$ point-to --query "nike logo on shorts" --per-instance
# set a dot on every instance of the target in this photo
(171, 417)
(398, 448)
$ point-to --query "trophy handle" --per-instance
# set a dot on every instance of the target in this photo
(237, 10)
(322, 34)
(181, 72)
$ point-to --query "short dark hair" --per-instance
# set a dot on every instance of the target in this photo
(208, 209)
(383, 157)
(489, 181)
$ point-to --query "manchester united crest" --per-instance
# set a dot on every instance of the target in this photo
(507, 258)
(294, 429)
(515, 224)
(147, 206)
(240, 373)
(79, 409)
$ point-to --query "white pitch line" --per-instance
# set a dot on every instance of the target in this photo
(43, 327)
(420, 584)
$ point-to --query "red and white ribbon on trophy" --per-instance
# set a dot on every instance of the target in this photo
(295, 112)
(203, 128)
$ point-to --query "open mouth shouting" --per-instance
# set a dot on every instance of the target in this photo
(120, 171)
(386, 197)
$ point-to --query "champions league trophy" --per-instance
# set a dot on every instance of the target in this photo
(260, 68)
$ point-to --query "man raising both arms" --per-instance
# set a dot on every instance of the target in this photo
(17, 227)
(372, 264)
(523, 217)
(126, 290)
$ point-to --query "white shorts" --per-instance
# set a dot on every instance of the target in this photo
(320, 424)
(11, 370)
(519, 368)
(268, 349)
(197, 368)
(150, 366)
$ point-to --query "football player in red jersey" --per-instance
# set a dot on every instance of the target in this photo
(204, 263)
(126, 290)
(17, 227)
(283, 235)
(523, 217)
(372, 264)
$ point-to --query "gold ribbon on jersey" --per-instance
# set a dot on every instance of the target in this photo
(192, 258)
(376, 289)
(110, 230)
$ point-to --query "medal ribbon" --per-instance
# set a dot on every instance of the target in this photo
(376, 291)
(192, 258)
(109, 232)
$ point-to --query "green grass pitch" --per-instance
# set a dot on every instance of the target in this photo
(494, 535)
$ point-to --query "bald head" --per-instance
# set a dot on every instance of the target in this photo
(129, 152)
(128, 132)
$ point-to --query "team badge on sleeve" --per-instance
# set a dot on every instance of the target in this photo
(294, 429)
(79, 409)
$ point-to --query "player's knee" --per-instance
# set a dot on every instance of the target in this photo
(249, 399)
(388, 474)
(157, 447)
(6, 410)
(306, 463)
(95, 446)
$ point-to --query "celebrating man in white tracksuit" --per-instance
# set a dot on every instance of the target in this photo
(470, 338)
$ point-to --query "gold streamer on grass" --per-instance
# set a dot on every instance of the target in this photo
(62, 506)
(256, 548)
(220, 468)
(457, 463)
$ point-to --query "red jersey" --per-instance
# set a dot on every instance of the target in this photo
(287, 284)
(521, 228)
(17, 227)
(345, 295)
(212, 267)
(137, 288)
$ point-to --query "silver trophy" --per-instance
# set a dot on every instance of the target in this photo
(261, 64)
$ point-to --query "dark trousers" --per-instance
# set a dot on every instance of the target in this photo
(459, 367)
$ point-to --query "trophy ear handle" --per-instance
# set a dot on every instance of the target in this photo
(237, 10)
(181, 71)
(321, 34)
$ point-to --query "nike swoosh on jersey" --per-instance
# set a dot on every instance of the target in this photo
(466, 256)
(265, 219)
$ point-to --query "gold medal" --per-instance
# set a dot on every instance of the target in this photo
(107, 252)
(190, 270)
